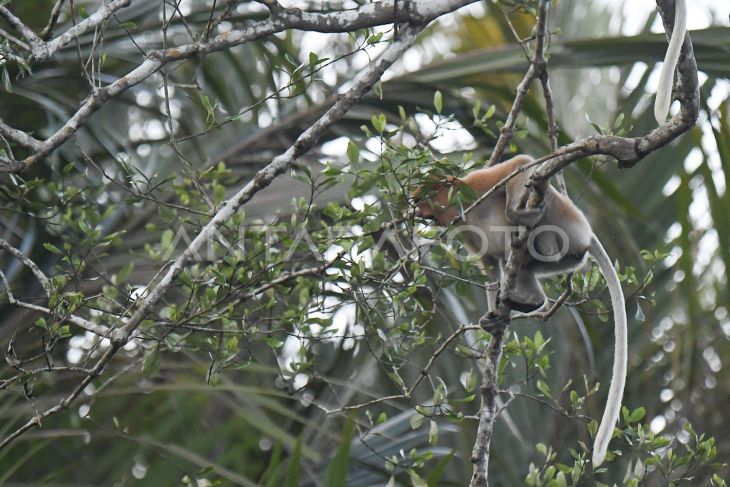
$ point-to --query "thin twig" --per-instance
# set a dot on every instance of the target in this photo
(552, 126)
(32, 266)
(547, 314)
(47, 31)
(5, 34)
(84, 324)
(54, 368)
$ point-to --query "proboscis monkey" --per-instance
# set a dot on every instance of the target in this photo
(559, 239)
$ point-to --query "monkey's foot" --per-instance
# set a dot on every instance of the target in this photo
(525, 216)
(523, 305)
(493, 323)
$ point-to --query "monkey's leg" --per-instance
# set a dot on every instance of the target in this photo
(524, 216)
(493, 323)
(526, 295)
(490, 322)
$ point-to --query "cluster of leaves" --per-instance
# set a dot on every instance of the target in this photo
(652, 458)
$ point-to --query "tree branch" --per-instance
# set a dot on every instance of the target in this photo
(47, 31)
(45, 283)
(537, 69)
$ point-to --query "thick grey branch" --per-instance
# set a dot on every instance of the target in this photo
(19, 137)
(40, 50)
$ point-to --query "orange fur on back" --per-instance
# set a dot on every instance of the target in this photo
(480, 181)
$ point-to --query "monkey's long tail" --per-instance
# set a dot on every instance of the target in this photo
(618, 377)
(666, 77)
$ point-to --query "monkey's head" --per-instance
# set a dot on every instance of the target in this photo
(432, 199)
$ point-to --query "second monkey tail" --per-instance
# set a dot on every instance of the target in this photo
(666, 76)
(618, 377)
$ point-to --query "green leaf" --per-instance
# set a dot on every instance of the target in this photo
(378, 89)
(208, 107)
(127, 25)
(375, 38)
(637, 415)
(336, 475)
(353, 152)
(434, 478)
(471, 380)
(438, 101)
(274, 343)
(544, 388)
(639, 315)
(52, 248)
(378, 122)
(151, 364)
(416, 480)
(291, 479)
(433, 432)
(402, 113)
(6, 80)
(271, 473)
(166, 239)
(619, 121)
(416, 421)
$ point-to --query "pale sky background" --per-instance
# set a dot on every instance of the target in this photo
(699, 14)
